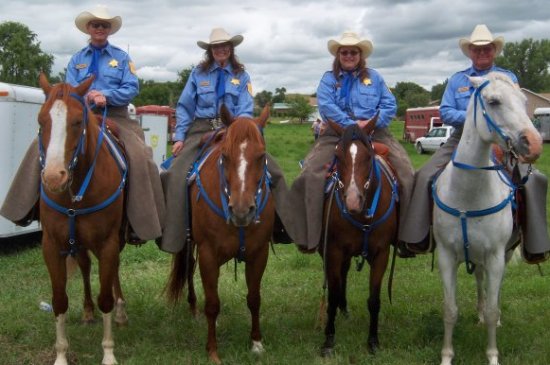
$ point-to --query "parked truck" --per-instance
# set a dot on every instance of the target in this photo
(419, 121)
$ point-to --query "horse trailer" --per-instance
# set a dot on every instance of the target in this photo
(19, 106)
(541, 121)
(419, 121)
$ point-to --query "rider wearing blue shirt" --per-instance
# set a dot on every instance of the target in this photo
(351, 93)
(482, 49)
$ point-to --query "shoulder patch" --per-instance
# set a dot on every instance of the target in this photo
(132, 67)
(249, 88)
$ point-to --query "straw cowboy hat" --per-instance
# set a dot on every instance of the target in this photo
(349, 38)
(219, 35)
(101, 13)
(480, 37)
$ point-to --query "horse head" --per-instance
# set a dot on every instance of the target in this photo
(500, 116)
(62, 124)
(244, 165)
(355, 156)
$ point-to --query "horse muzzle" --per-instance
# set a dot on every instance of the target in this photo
(55, 180)
(528, 146)
(242, 215)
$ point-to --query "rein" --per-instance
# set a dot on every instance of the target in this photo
(261, 197)
(72, 213)
(464, 215)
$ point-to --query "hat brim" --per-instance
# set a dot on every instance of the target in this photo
(365, 46)
(464, 44)
(85, 17)
(235, 40)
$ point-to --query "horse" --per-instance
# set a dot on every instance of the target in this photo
(360, 220)
(232, 217)
(76, 157)
(472, 217)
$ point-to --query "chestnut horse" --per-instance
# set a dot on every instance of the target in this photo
(232, 217)
(361, 220)
(76, 157)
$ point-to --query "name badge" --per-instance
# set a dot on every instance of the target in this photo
(81, 66)
(463, 89)
(204, 83)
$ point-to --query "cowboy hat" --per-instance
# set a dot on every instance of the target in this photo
(219, 35)
(480, 37)
(101, 13)
(349, 38)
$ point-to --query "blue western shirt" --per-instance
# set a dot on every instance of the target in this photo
(199, 99)
(116, 78)
(457, 94)
(366, 97)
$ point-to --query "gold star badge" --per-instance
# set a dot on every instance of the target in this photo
(113, 63)
(367, 81)
(235, 81)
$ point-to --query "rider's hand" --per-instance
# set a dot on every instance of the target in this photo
(177, 147)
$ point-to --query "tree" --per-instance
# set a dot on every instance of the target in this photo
(529, 60)
(263, 98)
(410, 95)
(300, 108)
(21, 58)
(162, 93)
(438, 90)
(279, 95)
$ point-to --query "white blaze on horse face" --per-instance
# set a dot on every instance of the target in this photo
(56, 149)
(242, 165)
(353, 154)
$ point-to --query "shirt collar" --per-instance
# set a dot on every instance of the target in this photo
(108, 49)
(472, 71)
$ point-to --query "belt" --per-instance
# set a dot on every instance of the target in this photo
(215, 123)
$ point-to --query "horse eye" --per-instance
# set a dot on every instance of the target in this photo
(493, 102)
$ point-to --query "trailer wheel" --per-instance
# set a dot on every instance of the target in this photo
(419, 148)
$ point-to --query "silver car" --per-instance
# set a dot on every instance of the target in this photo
(434, 139)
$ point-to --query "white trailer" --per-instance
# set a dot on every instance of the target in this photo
(19, 106)
(542, 122)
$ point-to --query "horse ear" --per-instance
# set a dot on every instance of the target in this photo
(264, 116)
(337, 127)
(84, 86)
(371, 124)
(225, 115)
(44, 83)
(476, 81)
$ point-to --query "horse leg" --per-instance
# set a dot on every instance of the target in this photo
(448, 270)
(108, 268)
(334, 281)
(121, 317)
(191, 296)
(343, 305)
(377, 270)
(210, 271)
(480, 276)
(85, 265)
(60, 302)
(254, 271)
(495, 273)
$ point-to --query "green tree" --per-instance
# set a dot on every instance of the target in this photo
(529, 60)
(410, 95)
(300, 108)
(21, 59)
(279, 95)
(438, 90)
(162, 93)
(263, 98)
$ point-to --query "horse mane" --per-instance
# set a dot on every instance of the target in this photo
(240, 130)
(353, 132)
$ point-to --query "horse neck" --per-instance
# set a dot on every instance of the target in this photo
(85, 160)
(472, 149)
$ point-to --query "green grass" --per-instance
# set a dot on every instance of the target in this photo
(411, 328)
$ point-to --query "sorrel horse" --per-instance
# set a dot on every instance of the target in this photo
(361, 220)
(232, 215)
(76, 157)
(472, 215)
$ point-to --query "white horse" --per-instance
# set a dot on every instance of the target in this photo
(472, 218)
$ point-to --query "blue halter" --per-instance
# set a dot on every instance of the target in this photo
(72, 213)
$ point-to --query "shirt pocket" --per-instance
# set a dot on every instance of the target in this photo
(232, 95)
(206, 96)
(113, 73)
(462, 98)
(368, 97)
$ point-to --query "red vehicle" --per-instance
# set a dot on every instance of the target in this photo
(419, 121)
(170, 113)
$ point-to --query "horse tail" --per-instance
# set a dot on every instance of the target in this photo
(181, 266)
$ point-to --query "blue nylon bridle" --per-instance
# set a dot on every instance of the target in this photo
(464, 215)
(261, 197)
(368, 213)
(72, 213)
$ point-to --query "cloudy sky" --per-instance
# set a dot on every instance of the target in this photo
(285, 41)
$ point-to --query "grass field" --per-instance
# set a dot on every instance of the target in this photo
(411, 327)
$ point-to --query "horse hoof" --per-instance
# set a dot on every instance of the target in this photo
(327, 352)
(215, 358)
(257, 347)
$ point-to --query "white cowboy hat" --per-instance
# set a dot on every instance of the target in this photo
(219, 35)
(349, 38)
(100, 12)
(480, 37)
